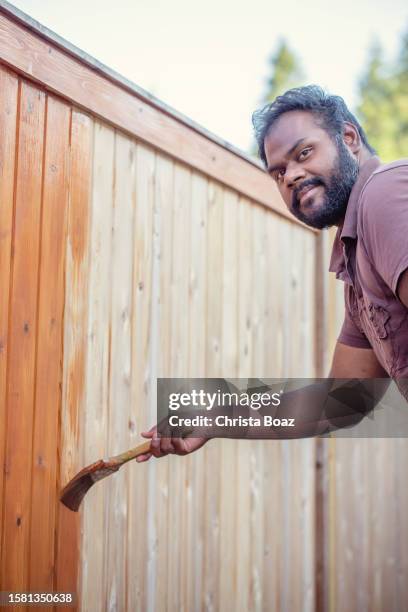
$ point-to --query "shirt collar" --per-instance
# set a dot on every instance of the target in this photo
(349, 227)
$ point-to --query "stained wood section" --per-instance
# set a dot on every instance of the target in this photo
(21, 374)
(8, 130)
(59, 72)
(40, 147)
(75, 343)
(49, 343)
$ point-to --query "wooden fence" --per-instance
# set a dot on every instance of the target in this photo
(133, 244)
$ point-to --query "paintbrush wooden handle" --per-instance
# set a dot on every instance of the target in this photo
(131, 454)
(135, 452)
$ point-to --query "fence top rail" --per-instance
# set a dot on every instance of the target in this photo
(116, 77)
(39, 54)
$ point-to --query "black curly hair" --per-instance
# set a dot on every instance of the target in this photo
(330, 111)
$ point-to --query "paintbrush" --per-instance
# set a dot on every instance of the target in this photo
(74, 492)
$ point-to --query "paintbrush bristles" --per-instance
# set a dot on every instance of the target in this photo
(73, 497)
(74, 492)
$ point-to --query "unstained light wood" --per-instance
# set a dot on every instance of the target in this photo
(96, 402)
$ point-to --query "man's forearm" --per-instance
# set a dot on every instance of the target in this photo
(311, 411)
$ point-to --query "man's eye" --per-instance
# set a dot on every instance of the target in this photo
(279, 174)
(304, 153)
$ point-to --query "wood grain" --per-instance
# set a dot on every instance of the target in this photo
(178, 502)
(196, 470)
(120, 366)
(229, 369)
(257, 370)
(119, 262)
(8, 130)
(243, 447)
(96, 406)
(22, 341)
(139, 555)
(164, 203)
(49, 364)
(212, 450)
(61, 73)
(75, 345)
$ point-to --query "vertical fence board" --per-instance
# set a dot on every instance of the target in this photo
(258, 370)
(138, 557)
(8, 128)
(178, 508)
(153, 368)
(22, 338)
(164, 190)
(196, 369)
(229, 368)
(244, 352)
(211, 456)
(120, 367)
(97, 366)
(272, 331)
(49, 345)
(273, 347)
(75, 343)
(292, 509)
(284, 247)
(402, 522)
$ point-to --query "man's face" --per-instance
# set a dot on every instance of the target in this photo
(314, 175)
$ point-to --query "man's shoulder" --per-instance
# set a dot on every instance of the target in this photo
(382, 216)
(390, 165)
(386, 174)
(382, 222)
(384, 190)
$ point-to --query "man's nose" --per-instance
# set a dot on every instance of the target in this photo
(294, 175)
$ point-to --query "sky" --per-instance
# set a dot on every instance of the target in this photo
(209, 59)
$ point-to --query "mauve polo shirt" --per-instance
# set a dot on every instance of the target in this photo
(370, 252)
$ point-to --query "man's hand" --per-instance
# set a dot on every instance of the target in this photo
(160, 447)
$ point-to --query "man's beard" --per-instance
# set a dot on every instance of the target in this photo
(337, 189)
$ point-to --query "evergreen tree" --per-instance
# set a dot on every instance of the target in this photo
(383, 106)
(286, 72)
(401, 98)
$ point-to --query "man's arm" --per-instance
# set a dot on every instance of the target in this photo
(348, 363)
(352, 362)
(402, 288)
(311, 407)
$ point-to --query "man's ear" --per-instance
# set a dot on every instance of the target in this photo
(351, 137)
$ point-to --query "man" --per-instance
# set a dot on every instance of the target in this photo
(328, 174)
